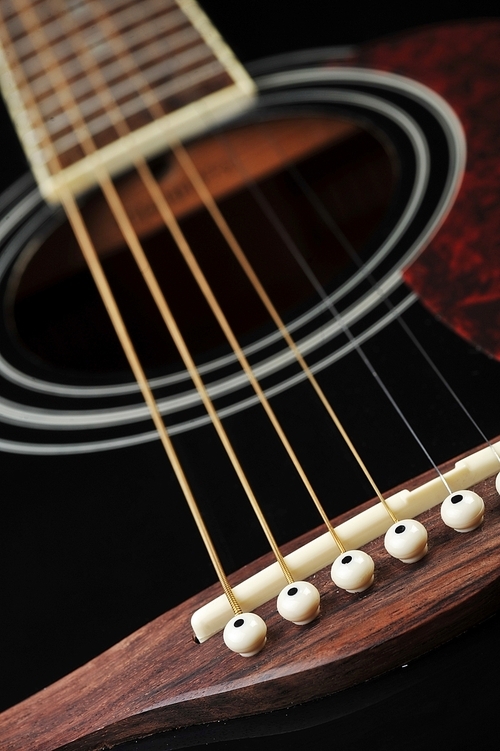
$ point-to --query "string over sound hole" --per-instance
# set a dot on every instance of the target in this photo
(347, 169)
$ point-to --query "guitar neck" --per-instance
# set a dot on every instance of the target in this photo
(94, 84)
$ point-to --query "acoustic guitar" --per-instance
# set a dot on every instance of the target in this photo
(301, 266)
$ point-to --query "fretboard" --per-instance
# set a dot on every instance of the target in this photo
(99, 83)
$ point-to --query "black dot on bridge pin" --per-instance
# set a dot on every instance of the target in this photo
(399, 530)
(239, 623)
(457, 498)
(292, 591)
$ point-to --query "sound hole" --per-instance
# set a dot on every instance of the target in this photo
(59, 316)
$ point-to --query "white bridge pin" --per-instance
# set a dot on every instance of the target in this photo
(245, 634)
(406, 540)
(463, 511)
(353, 571)
(298, 602)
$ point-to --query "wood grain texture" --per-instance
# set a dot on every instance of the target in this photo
(159, 678)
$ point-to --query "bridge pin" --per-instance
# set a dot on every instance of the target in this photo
(245, 634)
(299, 602)
(463, 511)
(353, 571)
(406, 540)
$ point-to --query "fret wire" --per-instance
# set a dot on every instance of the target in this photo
(10, 13)
(59, 124)
(157, 24)
(131, 37)
(134, 106)
(143, 76)
(36, 132)
(88, 106)
(41, 86)
(51, 30)
(57, 78)
(16, 17)
(35, 67)
(114, 70)
(31, 111)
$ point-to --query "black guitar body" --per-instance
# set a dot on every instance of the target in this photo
(95, 536)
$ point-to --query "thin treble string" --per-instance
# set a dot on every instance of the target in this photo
(132, 240)
(90, 254)
(292, 247)
(201, 188)
(333, 226)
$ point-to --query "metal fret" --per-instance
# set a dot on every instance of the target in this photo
(33, 64)
(144, 58)
(99, 124)
(119, 91)
(168, 56)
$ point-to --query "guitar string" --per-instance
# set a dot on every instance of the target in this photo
(327, 218)
(89, 105)
(295, 252)
(75, 218)
(170, 221)
(57, 124)
(208, 200)
(90, 254)
(140, 257)
(135, 247)
(94, 265)
(199, 185)
(162, 205)
(340, 427)
(70, 66)
(316, 500)
(108, 187)
(178, 150)
(146, 177)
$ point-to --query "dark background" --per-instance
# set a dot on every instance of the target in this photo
(422, 705)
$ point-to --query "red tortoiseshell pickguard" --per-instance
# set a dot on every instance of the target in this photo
(458, 274)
